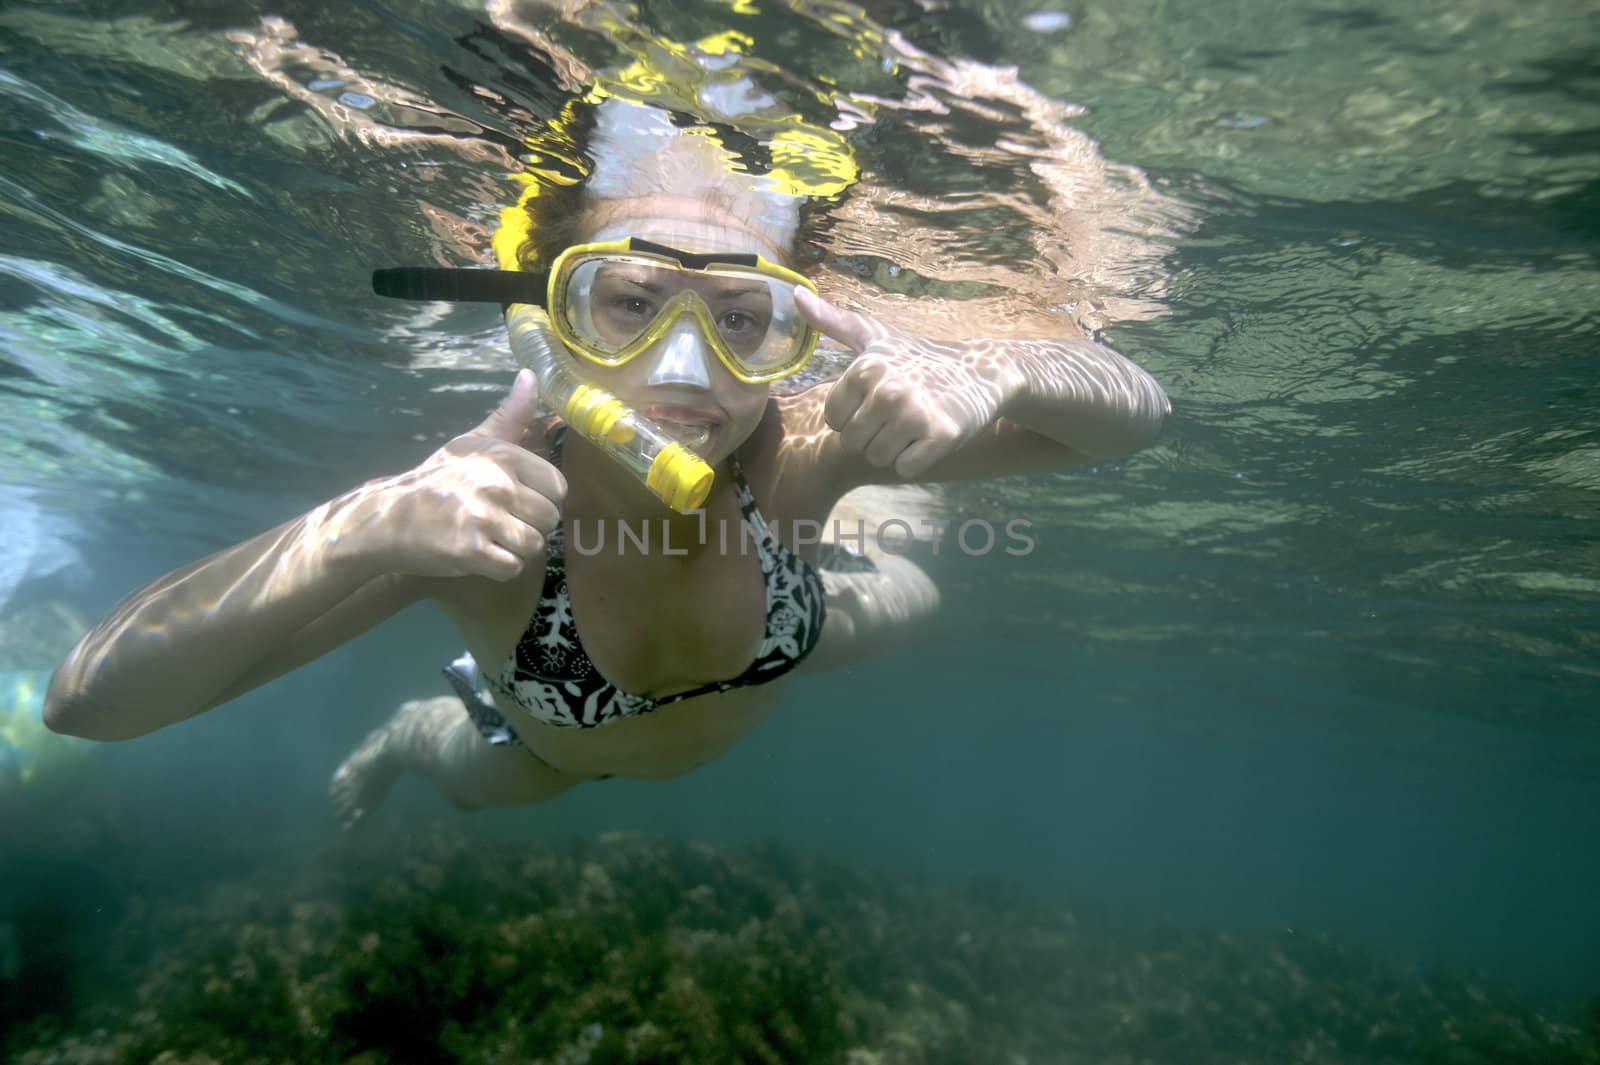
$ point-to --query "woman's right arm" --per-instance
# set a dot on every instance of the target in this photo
(194, 638)
(480, 506)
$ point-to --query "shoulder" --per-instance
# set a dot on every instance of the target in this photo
(791, 458)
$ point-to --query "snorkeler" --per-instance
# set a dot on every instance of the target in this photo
(662, 282)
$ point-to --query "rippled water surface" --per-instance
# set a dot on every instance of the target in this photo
(1326, 655)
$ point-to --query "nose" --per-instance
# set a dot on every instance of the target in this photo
(683, 359)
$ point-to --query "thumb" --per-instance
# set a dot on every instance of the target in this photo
(511, 420)
(849, 328)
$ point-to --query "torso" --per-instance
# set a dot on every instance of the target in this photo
(655, 625)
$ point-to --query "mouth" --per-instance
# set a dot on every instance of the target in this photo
(694, 428)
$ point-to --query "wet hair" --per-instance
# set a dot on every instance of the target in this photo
(560, 167)
(554, 212)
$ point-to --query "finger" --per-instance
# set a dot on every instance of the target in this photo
(851, 390)
(535, 509)
(540, 422)
(849, 328)
(538, 474)
(498, 563)
(844, 399)
(881, 407)
(890, 442)
(510, 420)
(919, 458)
(518, 538)
(862, 428)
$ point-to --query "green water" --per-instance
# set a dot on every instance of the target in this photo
(1324, 658)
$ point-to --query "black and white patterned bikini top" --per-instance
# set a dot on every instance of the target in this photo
(551, 677)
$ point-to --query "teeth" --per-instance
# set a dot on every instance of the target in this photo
(692, 436)
(696, 439)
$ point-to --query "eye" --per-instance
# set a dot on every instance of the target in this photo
(739, 323)
(633, 307)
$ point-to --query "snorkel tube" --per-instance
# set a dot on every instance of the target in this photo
(676, 475)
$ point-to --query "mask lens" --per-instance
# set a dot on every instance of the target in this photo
(771, 304)
(610, 302)
(614, 301)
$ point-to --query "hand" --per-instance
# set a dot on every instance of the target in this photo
(481, 506)
(906, 401)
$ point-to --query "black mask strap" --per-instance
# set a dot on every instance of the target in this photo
(461, 286)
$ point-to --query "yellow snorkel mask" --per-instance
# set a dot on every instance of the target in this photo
(610, 301)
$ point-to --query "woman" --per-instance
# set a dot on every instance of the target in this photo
(638, 663)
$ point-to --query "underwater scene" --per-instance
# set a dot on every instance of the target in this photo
(1268, 732)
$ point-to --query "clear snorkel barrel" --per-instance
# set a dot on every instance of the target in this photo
(676, 475)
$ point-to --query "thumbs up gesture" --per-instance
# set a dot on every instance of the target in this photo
(906, 401)
(481, 506)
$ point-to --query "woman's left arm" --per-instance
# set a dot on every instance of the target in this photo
(914, 409)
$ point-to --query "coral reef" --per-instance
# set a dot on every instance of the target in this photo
(440, 946)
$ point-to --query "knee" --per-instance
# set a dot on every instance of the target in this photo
(910, 586)
(899, 593)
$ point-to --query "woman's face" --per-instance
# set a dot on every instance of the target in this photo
(679, 382)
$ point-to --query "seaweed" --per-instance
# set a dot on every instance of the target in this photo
(622, 950)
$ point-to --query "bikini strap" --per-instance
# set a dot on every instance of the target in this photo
(554, 542)
(747, 503)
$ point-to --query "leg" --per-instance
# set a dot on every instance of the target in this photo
(875, 607)
(436, 738)
(872, 611)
